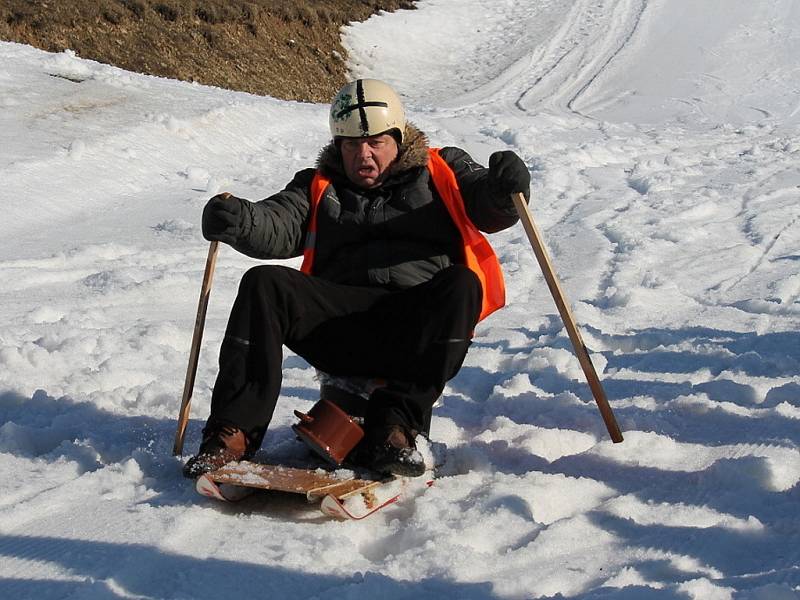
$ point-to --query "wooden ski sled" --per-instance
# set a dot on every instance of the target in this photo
(341, 494)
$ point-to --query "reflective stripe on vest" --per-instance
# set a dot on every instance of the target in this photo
(477, 252)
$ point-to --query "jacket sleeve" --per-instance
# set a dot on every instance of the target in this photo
(276, 226)
(487, 209)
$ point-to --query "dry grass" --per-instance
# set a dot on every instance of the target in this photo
(289, 50)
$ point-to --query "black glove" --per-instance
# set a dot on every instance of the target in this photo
(508, 174)
(222, 219)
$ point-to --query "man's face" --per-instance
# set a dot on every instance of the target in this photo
(366, 160)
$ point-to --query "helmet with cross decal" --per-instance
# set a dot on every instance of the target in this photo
(367, 107)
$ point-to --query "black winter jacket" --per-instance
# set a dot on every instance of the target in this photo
(397, 235)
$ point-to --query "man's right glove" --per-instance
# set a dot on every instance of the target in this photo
(508, 174)
(222, 219)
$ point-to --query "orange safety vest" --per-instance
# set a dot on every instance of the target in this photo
(478, 254)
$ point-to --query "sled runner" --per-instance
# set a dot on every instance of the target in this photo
(341, 494)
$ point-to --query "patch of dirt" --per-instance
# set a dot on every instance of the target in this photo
(289, 50)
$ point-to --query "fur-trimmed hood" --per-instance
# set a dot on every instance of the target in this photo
(413, 153)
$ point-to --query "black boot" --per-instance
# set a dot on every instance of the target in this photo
(396, 453)
(221, 445)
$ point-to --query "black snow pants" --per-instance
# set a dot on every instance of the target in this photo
(416, 339)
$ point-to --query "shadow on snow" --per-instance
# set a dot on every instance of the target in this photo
(114, 570)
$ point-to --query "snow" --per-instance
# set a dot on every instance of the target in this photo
(663, 141)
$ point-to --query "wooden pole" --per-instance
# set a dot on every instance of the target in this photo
(194, 353)
(566, 315)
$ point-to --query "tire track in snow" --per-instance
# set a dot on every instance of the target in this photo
(637, 17)
(763, 256)
(593, 32)
(549, 47)
(519, 101)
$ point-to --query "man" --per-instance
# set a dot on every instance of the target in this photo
(394, 279)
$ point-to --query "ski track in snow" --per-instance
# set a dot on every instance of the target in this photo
(666, 184)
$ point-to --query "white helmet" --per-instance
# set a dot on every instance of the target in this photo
(366, 107)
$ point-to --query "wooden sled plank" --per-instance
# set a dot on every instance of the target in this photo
(341, 494)
(313, 483)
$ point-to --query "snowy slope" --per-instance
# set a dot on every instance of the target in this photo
(662, 136)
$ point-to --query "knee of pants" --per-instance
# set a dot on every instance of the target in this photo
(270, 280)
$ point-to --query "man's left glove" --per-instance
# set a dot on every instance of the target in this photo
(508, 174)
(222, 219)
